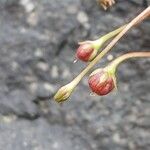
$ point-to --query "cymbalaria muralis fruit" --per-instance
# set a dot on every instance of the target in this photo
(88, 50)
(103, 81)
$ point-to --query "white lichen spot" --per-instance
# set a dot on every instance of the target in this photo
(32, 19)
(49, 87)
(82, 17)
(38, 53)
(28, 5)
(43, 66)
(110, 57)
(33, 87)
(66, 73)
(55, 145)
(54, 72)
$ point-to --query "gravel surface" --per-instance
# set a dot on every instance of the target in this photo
(37, 48)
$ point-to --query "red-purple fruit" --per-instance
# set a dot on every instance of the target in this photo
(86, 51)
(101, 82)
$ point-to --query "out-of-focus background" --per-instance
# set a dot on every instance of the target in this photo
(38, 39)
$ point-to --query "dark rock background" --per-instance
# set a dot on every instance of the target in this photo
(37, 46)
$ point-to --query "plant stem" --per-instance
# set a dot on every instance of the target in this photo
(114, 64)
(100, 41)
(112, 34)
(138, 19)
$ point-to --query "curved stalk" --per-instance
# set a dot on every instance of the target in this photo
(112, 34)
(68, 89)
(114, 64)
(138, 19)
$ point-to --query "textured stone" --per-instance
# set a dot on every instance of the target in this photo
(37, 48)
(39, 135)
(18, 102)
